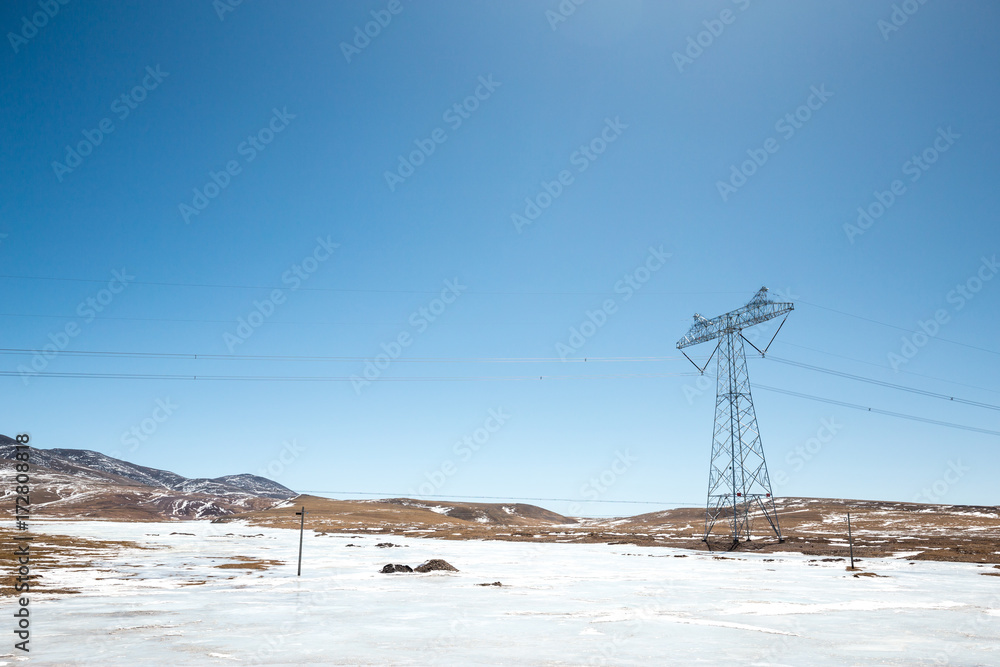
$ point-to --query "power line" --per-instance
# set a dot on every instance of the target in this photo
(882, 366)
(152, 283)
(392, 496)
(252, 357)
(876, 410)
(482, 360)
(893, 326)
(881, 383)
(478, 360)
(325, 378)
(299, 378)
(106, 318)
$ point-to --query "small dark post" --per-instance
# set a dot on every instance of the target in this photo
(850, 539)
(302, 528)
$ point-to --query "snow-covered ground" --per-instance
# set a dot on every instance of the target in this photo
(560, 604)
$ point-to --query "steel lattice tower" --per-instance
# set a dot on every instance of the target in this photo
(738, 482)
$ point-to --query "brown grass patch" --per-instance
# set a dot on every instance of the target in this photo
(249, 563)
(49, 552)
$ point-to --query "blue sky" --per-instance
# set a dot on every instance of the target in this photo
(281, 138)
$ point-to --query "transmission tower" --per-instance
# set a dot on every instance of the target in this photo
(738, 483)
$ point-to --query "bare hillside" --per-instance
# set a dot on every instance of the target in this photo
(812, 526)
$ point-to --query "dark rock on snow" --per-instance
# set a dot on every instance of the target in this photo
(436, 564)
(427, 566)
(390, 568)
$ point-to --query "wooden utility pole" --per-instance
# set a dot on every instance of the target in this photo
(850, 539)
(302, 528)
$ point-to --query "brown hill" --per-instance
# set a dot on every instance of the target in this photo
(818, 526)
(812, 526)
(401, 515)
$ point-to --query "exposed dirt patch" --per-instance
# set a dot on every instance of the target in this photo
(249, 563)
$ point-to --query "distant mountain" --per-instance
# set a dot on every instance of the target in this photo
(80, 482)
(82, 461)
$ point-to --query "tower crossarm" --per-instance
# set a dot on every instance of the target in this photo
(759, 309)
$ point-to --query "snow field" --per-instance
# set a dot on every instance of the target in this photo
(560, 604)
